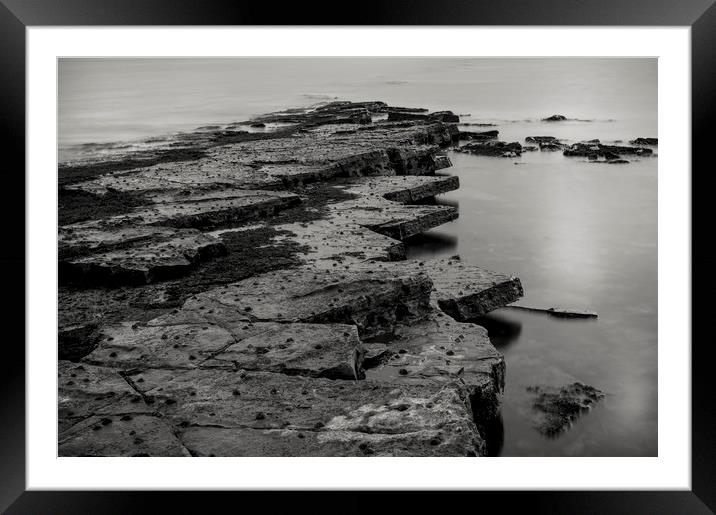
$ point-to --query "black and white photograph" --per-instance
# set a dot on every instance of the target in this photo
(357, 256)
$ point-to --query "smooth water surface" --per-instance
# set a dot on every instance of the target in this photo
(578, 235)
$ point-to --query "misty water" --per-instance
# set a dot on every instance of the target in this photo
(578, 234)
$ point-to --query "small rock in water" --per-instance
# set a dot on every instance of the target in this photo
(540, 139)
(555, 118)
(645, 141)
(556, 408)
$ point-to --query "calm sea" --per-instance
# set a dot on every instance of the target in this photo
(578, 234)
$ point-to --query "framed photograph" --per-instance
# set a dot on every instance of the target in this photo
(422, 248)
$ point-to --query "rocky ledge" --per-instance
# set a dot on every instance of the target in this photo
(248, 295)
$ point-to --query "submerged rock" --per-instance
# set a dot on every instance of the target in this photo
(540, 139)
(591, 150)
(557, 408)
(645, 141)
(480, 136)
(440, 116)
(492, 149)
(557, 311)
(551, 146)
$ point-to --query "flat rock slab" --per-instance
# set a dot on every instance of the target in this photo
(145, 262)
(556, 408)
(131, 344)
(336, 244)
(103, 235)
(461, 290)
(312, 155)
(403, 189)
(439, 349)
(219, 209)
(85, 390)
(333, 351)
(121, 435)
(391, 219)
(229, 413)
(314, 350)
(374, 301)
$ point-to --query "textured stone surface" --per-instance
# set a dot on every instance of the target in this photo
(492, 148)
(122, 435)
(343, 349)
(143, 263)
(217, 209)
(461, 290)
(394, 220)
(333, 243)
(228, 413)
(439, 349)
(85, 390)
(404, 189)
(315, 350)
(314, 155)
(372, 301)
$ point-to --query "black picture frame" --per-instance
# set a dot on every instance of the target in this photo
(17, 15)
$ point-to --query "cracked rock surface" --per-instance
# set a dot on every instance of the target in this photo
(252, 297)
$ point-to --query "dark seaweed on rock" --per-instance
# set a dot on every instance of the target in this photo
(77, 205)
